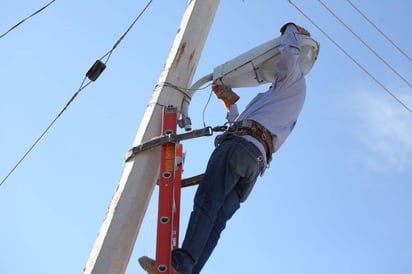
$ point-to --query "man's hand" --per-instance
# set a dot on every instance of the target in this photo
(300, 29)
(226, 94)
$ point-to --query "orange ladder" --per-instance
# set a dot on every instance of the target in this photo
(171, 167)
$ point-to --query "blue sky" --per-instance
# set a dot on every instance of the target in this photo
(336, 198)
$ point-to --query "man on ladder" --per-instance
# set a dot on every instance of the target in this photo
(243, 152)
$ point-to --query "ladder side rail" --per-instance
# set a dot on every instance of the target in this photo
(177, 196)
(165, 209)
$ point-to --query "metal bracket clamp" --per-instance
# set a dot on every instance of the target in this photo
(170, 138)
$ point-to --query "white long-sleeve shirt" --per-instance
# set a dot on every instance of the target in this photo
(278, 108)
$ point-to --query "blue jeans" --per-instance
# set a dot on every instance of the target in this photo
(230, 175)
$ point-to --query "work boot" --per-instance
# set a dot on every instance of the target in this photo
(149, 265)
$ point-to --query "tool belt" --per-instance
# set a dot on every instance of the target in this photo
(257, 131)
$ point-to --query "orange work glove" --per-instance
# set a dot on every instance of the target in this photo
(226, 94)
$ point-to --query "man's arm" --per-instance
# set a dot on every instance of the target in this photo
(288, 65)
(229, 99)
(233, 113)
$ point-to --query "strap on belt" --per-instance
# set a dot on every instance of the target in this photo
(257, 131)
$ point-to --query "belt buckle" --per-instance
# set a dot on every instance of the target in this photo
(232, 127)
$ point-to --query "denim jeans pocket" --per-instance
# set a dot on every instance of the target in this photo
(245, 164)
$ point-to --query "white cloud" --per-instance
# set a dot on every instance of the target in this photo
(384, 129)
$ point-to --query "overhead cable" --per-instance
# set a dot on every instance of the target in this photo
(92, 75)
(377, 29)
(364, 43)
(351, 58)
(82, 86)
(127, 31)
(28, 17)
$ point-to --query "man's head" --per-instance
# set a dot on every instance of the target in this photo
(300, 29)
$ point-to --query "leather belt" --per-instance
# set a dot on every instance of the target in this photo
(257, 131)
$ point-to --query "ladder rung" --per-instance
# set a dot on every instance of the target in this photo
(192, 181)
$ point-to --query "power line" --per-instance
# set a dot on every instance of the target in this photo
(364, 43)
(92, 74)
(28, 17)
(82, 86)
(381, 32)
(351, 58)
(127, 31)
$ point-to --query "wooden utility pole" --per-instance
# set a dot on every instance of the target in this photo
(117, 236)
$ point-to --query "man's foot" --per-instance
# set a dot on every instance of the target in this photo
(149, 265)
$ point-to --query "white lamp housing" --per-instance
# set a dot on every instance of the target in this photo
(252, 68)
(257, 66)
